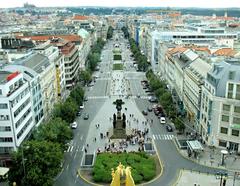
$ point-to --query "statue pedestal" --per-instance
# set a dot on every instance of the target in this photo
(119, 131)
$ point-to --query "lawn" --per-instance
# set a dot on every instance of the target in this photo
(117, 66)
(143, 166)
(117, 57)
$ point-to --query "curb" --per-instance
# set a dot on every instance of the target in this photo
(220, 168)
(87, 181)
(178, 178)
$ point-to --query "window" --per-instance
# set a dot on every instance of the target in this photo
(6, 139)
(237, 109)
(238, 96)
(5, 128)
(222, 143)
(236, 120)
(3, 106)
(230, 95)
(230, 87)
(226, 107)
(238, 88)
(231, 75)
(235, 132)
(225, 118)
(224, 130)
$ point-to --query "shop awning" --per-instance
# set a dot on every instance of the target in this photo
(195, 145)
(3, 171)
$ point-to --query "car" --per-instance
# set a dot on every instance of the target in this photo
(153, 99)
(79, 113)
(144, 112)
(74, 125)
(162, 120)
(149, 109)
(85, 99)
(81, 106)
(169, 128)
(138, 95)
(85, 116)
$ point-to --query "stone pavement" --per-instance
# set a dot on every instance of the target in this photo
(103, 118)
(188, 178)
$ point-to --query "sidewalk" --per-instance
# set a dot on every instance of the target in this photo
(188, 178)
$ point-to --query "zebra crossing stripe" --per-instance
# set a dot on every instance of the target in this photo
(153, 137)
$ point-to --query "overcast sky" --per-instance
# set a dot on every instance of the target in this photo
(126, 3)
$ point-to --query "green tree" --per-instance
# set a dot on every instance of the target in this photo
(56, 130)
(42, 162)
(77, 95)
(110, 32)
(85, 76)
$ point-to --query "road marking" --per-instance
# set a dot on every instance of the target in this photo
(71, 149)
(75, 155)
(83, 148)
(162, 136)
(81, 138)
(67, 166)
(68, 148)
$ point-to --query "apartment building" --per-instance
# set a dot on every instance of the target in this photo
(220, 106)
(57, 59)
(47, 75)
(16, 118)
(71, 60)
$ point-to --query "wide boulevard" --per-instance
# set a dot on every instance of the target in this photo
(98, 96)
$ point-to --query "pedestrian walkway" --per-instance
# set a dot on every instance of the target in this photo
(188, 178)
(162, 136)
(98, 97)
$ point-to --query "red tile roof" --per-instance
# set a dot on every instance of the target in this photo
(80, 17)
(225, 52)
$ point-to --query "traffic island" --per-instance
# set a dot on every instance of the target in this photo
(117, 66)
(144, 167)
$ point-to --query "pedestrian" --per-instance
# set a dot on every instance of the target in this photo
(87, 145)
(85, 150)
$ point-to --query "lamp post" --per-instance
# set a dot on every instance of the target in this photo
(223, 152)
(23, 160)
(223, 177)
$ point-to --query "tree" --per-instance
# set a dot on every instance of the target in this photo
(42, 162)
(110, 32)
(56, 130)
(77, 95)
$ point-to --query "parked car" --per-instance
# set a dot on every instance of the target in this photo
(163, 120)
(85, 99)
(85, 116)
(169, 128)
(149, 109)
(74, 125)
(81, 106)
(152, 99)
(144, 112)
(79, 113)
(138, 95)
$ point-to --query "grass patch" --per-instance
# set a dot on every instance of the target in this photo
(143, 166)
(117, 66)
(117, 57)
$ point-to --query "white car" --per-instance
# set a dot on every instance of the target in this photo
(74, 125)
(162, 120)
(81, 106)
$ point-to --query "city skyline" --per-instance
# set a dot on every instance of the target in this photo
(126, 3)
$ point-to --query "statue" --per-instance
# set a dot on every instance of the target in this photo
(119, 122)
(122, 175)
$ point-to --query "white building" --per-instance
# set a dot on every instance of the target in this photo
(220, 106)
(16, 118)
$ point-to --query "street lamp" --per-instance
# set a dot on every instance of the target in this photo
(223, 177)
(23, 163)
(223, 152)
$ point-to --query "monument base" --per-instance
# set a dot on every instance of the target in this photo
(119, 134)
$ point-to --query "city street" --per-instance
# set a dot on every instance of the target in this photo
(109, 86)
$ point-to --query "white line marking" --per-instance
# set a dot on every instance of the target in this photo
(82, 148)
(68, 148)
(81, 138)
(71, 149)
(153, 137)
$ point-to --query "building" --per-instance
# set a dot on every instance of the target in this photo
(42, 68)
(71, 60)
(16, 118)
(57, 59)
(220, 106)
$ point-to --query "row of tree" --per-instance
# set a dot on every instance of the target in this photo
(94, 57)
(110, 32)
(125, 32)
(165, 98)
(38, 160)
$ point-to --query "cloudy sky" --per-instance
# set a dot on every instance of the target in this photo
(128, 3)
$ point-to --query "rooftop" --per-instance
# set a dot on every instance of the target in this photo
(3, 76)
(35, 61)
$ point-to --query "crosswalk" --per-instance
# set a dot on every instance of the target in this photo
(162, 136)
(71, 148)
(98, 97)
